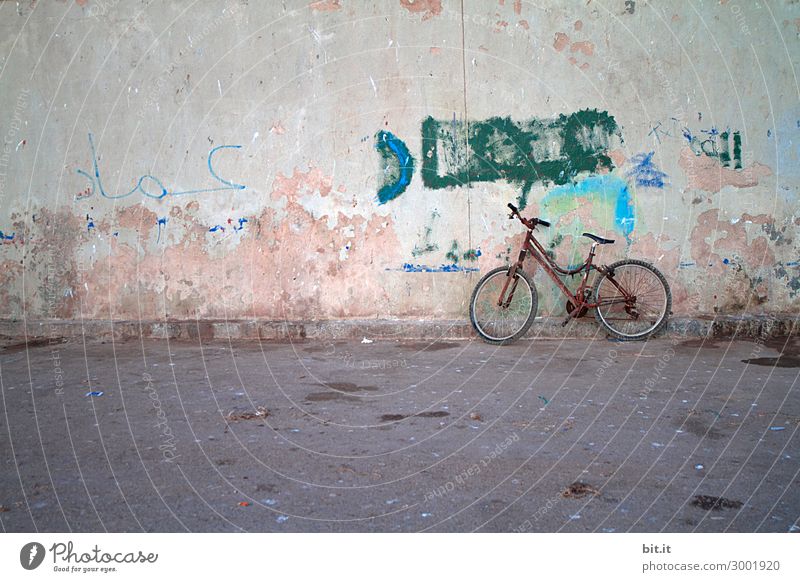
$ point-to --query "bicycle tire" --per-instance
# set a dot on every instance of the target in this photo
(474, 317)
(664, 310)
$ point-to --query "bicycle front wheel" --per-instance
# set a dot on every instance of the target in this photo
(502, 320)
(634, 301)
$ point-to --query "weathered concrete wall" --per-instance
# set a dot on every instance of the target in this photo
(353, 159)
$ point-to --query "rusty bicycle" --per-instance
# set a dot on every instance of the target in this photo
(631, 298)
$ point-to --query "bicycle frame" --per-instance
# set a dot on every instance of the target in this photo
(578, 299)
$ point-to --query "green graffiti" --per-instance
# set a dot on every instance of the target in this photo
(452, 254)
(737, 150)
(471, 255)
(427, 245)
(717, 145)
(557, 240)
(521, 152)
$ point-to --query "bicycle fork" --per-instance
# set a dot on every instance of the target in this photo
(512, 271)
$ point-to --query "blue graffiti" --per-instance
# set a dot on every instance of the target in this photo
(452, 268)
(645, 172)
(220, 228)
(6, 237)
(89, 223)
(162, 192)
(607, 188)
(394, 152)
(656, 131)
(161, 222)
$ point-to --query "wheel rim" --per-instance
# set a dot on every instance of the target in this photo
(650, 304)
(501, 323)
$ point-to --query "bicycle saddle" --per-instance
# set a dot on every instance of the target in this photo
(598, 239)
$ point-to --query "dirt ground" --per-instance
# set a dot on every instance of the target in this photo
(544, 435)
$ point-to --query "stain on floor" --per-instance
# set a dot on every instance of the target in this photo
(709, 502)
(339, 391)
(579, 489)
(429, 414)
(349, 387)
(699, 343)
(237, 414)
(779, 362)
(427, 347)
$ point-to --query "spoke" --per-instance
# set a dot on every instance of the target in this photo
(650, 303)
(498, 322)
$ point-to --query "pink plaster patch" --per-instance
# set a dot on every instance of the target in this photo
(430, 8)
(584, 47)
(714, 239)
(325, 6)
(705, 173)
(618, 157)
(300, 183)
(287, 265)
(135, 217)
(561, 41)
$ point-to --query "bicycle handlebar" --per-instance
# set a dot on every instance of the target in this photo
(529, 222)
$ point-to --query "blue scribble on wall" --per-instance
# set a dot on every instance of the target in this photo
(89, 223)
(220, 228)
(656, 131)
(161, 191)
(606, 188)
(645, 172)
(452, 268)
(399, 166)
(6, 237)
(161, 222)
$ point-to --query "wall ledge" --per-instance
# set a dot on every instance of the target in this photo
(15, 331)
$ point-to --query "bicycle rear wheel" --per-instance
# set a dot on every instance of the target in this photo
(645, 309)
(506, 323)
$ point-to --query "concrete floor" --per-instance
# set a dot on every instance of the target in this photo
(482, 438)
